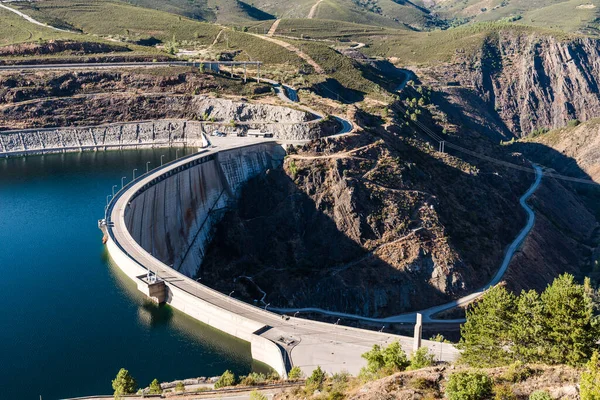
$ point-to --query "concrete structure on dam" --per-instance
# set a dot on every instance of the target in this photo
(230, 117)
(157, 227)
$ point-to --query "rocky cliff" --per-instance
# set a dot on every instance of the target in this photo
(520, 81)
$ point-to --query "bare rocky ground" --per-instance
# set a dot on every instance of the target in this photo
(50, 99)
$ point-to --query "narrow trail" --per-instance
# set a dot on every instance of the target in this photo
(32, 20)
(274, 27)
(293, 49)
(313, 10)
(428, 314)
(214, 43)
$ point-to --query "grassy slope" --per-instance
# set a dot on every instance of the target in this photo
(423, 48)
(568, 15)
(109, 18)
(17, 30)
(195, 9)
(327, 29)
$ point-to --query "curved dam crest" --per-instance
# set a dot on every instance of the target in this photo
(147, 234)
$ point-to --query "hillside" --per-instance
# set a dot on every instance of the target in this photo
(568, 15)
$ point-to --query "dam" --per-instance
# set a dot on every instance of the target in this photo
(158, 227)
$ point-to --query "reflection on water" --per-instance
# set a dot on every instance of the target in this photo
(153, 316)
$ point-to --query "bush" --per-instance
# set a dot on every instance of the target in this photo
(421, 358)
(517, 372)
(573, 123)
(421, 383)
(155, 387)
(316, 379)
(504, 392)
(253, 379)
(590, 380)
(227, 379)
(469, 386)
(179, 387)
(540, 395)
(295, 373)
(256, 395)
(385, 361)
(123, 384)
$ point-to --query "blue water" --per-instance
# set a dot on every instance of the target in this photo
(69, 319)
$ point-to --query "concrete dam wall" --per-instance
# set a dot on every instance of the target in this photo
(172, 218)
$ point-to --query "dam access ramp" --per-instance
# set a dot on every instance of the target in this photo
(161, 223)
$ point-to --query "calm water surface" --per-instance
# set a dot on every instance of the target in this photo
(69, 318)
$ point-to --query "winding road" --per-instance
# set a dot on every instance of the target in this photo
(429, 314)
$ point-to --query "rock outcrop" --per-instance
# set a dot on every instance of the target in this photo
(521, 81)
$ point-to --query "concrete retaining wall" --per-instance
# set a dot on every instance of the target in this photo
(142, 134)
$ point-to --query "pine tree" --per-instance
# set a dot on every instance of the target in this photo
(123, 384)
(485, 336)
(568, 315)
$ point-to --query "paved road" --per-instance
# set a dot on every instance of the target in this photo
(429, 314)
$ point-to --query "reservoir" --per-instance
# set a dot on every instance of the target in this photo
(70, 320)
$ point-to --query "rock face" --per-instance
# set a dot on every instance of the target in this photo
(367, 226)
(522, 81)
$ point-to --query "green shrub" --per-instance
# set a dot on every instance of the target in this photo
(256, 395)
(538, 132)
(155, 387)
(469, 386)
(421, 383)
(295, 373)
(385, 361)
(540, 395)
(316, 379)
(179, 387)
(573, 123)
(590, 380)
(504, 392)
(253, 379)
(336, 395)
(517, 372)
(421, 358)
(227, 379)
